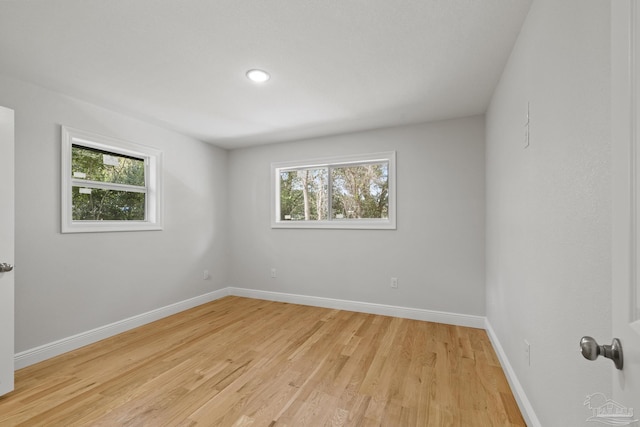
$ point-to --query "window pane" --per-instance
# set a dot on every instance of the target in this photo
(91, 204)
(360, 191)
(303, 195)
(103, 166)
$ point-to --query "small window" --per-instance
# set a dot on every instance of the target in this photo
(345, 192)
(108, 184)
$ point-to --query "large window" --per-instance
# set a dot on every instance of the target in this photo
(345, 192)
(108, 184)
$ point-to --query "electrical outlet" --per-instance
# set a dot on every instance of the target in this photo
(206, 275)
(526, 347)
(273, 273)
(394, 282)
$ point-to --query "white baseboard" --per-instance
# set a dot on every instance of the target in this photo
(43, 352)
(46, 351)
(525, 406)
(365, 307)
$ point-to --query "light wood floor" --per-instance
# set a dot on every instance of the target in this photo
(242, 362)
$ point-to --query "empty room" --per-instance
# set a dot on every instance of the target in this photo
(342, 213)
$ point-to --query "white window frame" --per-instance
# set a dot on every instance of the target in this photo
(153, 184)
(331, 162)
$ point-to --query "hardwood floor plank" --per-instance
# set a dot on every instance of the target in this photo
(244, 362)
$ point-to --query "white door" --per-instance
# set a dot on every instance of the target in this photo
(6, 249)
(625, 42)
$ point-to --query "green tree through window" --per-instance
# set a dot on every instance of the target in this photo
(92, 203)
(360, 191)
(355, 191)
(108, 184)
(303, 195)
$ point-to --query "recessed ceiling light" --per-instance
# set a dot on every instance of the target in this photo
(258, 76)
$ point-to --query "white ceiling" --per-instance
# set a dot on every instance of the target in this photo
(336, 65)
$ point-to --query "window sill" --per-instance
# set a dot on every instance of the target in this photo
(343, 225)
(108, 227)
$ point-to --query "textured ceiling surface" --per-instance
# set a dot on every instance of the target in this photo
(336, 65)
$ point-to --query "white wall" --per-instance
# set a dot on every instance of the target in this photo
(548, 206)
(71, 283)
(437, 251)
